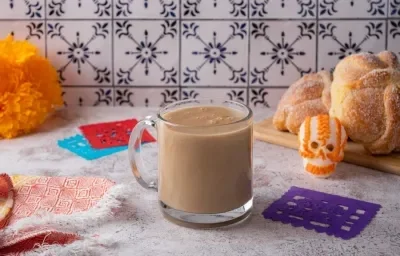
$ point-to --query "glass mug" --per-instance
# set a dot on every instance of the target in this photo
(205, 175)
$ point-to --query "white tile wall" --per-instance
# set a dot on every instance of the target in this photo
(149, 53)
(214, 53)
(340, 38)
(281, 51)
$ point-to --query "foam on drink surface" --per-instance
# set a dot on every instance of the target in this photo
(203, 116)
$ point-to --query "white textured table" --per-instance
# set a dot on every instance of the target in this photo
(143, 231)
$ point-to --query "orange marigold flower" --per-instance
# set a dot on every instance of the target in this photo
(29, 88)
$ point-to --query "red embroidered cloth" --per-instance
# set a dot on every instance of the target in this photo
(23, 196)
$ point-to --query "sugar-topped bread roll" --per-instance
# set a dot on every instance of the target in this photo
(365, 97)
(308, 96)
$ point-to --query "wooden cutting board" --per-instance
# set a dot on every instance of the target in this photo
(354, 153)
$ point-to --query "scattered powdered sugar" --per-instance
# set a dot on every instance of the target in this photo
(311, 83)
(372, 109)
(369, 57)
(302, 97)
(376, 78)
(366, 117)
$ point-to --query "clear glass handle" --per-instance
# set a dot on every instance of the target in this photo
(143, 176)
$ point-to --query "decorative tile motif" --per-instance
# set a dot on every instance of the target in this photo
(341, 38)
(146, 9)
(235, 94)
(63, 9)
(81, 51)
(265, 97)
(214, 54)
(211, 9)
(352, 8)
(124, 97)
(30, 30)
(88, 96)
(151, 53)
(169, 96)
(146, 53)
(283, 9)
(145, 97)
(394, 36)
(394, 10)
(22, 9)
(278, 56)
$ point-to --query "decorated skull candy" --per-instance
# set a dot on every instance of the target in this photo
(322, 142)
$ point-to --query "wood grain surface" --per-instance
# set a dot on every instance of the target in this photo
(354, 153)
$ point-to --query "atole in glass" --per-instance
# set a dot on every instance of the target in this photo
(205, 149)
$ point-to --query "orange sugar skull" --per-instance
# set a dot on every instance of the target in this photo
(322, 142)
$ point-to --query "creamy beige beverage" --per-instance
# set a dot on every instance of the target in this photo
(205, 159)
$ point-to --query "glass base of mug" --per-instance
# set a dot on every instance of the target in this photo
(214, 220)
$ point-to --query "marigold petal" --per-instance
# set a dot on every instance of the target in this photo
(29, 88)
(43, 76)
(17, 51)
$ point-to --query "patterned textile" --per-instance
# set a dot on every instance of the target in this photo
(25, 196)
(6, 198)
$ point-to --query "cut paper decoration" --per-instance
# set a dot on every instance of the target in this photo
(325, 213)
(112, 134)
(79, 145)
(34, 195)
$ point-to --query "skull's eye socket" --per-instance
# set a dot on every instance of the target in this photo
(330, 147)
(314, 145)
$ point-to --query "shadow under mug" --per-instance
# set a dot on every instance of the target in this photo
(204, 177)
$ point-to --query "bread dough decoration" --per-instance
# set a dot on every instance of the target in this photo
(365, 97)
(308, 96)
(322, 142)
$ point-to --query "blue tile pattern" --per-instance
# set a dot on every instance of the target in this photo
(151, 53)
